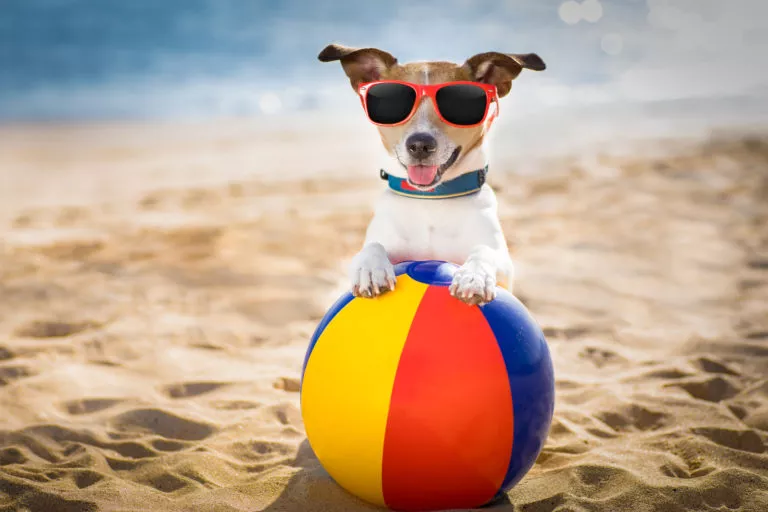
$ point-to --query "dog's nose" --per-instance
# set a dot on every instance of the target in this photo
(421, 145)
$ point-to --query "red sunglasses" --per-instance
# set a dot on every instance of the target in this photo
(460, 104)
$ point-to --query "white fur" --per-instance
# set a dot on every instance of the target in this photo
(464, 230)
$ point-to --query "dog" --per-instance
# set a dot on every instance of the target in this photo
(411, 221)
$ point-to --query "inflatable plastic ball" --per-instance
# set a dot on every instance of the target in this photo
(417, 401)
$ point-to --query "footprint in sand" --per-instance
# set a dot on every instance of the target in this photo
(12, 455)
(739, 411)
(290, 384)
(5, 354)
(59, 243)
(758, 419)
(685, 461)
(285, 413)
(744, 440)
(51, 501)
(677, 470)
(710, 365)
(258, 450)
(669, 373)
(52, 329)
(235, 405)
(633, 417)
(752, 348)
(713, 389)
(89, 405)
(11, 373)
(162, 423)
(192, 389)
(87, 478)
(44, 440)
(168, 482)
(121, 464)
(601, 357)
(131, 449)
(597, 475)
(167, 445)
(566, 332)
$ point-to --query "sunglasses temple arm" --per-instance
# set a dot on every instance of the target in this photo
(493, 115)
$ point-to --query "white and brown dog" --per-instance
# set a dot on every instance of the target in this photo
(462, 225)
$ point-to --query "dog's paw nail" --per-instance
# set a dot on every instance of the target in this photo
(473, 288)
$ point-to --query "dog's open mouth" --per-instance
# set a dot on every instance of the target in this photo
(427, 176)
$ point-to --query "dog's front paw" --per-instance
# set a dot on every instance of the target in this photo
(372, 272)
(473, 285)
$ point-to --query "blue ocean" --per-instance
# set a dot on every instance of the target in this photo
(127, 59)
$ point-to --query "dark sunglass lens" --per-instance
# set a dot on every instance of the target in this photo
(390, 103)
(462, 104)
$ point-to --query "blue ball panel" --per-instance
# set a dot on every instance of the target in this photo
(436, 273)
(402, 267)
(531, 379)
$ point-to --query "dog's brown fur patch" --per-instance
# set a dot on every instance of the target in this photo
(436, 72)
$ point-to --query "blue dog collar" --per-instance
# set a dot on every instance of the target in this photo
(464, 185)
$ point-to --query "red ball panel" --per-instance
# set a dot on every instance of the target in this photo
(450, 425)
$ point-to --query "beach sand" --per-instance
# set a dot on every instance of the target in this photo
(159, 286)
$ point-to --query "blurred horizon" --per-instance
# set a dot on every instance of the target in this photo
(81, 60)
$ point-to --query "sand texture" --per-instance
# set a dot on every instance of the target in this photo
(152, 328)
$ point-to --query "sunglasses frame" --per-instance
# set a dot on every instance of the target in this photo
(430, 91)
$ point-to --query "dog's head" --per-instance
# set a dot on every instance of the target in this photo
(428, 149)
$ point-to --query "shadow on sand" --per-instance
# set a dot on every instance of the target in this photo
(311, 489)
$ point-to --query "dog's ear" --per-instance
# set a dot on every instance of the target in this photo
(500, 69)
(360, 64)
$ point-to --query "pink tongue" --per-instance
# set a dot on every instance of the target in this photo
(422, 174)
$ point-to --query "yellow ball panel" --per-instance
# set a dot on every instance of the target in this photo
(348, 384)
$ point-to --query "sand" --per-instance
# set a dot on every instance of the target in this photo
(159, 286)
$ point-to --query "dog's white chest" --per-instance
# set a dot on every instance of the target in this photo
(444, 229)
(428, 231)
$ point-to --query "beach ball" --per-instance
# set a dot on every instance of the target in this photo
(415, 400)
